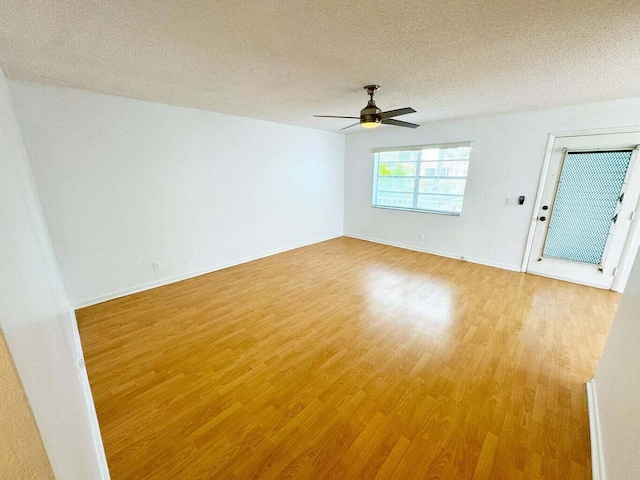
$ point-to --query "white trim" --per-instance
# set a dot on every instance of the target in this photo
(629, 250)
(536, 206)
(598, 470)
(545, 170)
(93, 423)
(439, 253)
(597, 131)
(435, 212)
(633, 236)
(94, 426)
(628, 256)
(177, 278)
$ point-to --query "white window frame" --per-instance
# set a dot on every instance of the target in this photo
(417, 176)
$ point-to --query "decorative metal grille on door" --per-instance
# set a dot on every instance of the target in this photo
(586, 200)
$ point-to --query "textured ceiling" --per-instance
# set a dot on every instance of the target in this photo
(286, 60)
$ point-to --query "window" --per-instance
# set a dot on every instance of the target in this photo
(427, 178)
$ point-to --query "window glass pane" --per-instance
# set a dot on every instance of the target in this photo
(442, 185)
(439, 173)
(401, 200)
(460, 153)
(444, 169)
(397, 169)
(396, 184)
(408, 156)
(438, 203)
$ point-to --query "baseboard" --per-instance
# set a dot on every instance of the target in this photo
(93, 424)
(597, 454)
(185, 276)
(89, 404)
(488, 263)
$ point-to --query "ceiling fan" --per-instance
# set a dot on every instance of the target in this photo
(371, 116)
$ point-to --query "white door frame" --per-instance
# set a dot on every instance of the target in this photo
(633, 237)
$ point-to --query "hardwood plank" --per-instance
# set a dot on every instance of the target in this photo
(348, 359)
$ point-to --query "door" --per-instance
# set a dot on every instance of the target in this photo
(588, 204)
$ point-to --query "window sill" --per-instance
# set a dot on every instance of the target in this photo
(450, 214)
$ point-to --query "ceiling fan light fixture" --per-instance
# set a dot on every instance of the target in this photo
(370, 124)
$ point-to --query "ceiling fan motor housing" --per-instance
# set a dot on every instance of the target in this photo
(370, 113)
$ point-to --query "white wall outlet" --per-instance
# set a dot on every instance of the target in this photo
(157, 266)
(511, 201)
(421, 236)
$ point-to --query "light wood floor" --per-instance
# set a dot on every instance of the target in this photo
(348, 360)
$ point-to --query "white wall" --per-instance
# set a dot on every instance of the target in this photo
(506, 161)
(618, 387)
(37, 320)
(125, 183)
